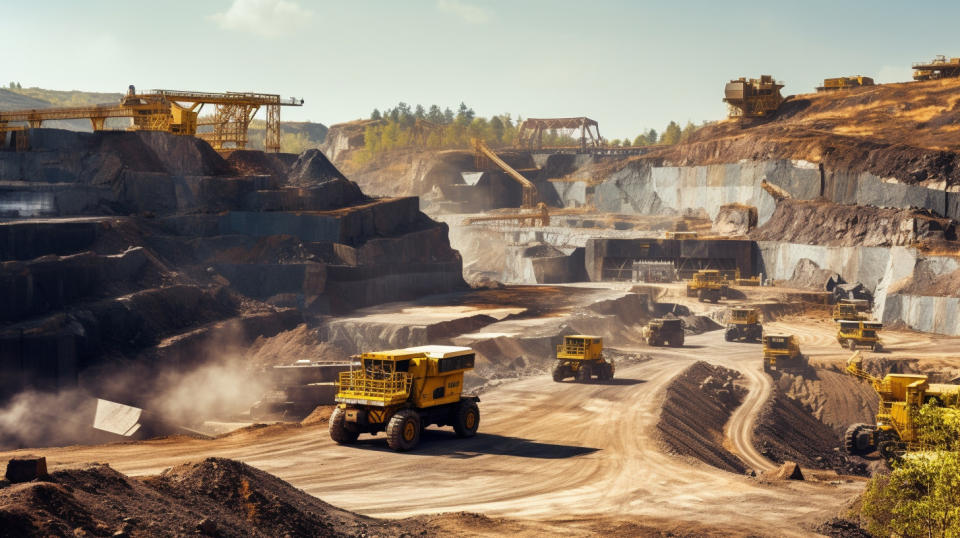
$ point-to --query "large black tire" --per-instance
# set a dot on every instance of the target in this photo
(338, 428)
(730, 335)
(403, 430)
(559, 373)
(850, 440)
(605, 373)
(583, 375)
(467, 420)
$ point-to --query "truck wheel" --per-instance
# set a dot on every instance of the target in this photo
(338, 428)
(583, 375)
(851, 436)
(559, 372)
(467, 420)
(403, 430)
(852, 344)
(729, 335)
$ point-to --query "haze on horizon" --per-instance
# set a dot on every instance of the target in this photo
(631, 66)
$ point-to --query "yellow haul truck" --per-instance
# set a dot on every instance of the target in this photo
(851, 309)
(901, 395)
(402, 392)
(707, 285)
(743, 323)
(854, 334)
(580, 356)
(781, 352)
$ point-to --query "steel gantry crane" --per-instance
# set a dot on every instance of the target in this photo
(176, 112)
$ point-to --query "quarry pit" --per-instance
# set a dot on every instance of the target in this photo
(147, 269)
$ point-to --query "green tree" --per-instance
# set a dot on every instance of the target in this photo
(687, 132)
(671, 135)
(435, 115)
(420, 113)
(919, 496)
(13, 85)
(496, 129)
(375, 115)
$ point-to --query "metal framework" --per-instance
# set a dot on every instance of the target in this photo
(176, 112)
(485, 155)
(530, 132)
(939, 67)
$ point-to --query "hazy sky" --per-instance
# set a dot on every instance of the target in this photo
(629, 65)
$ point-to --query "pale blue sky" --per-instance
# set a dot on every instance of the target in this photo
(629, 65)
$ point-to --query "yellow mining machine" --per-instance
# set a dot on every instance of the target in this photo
(845, 83)
(781, 352)
(851, 309)
(174, 111)
(580, 356)
(664, 331)
(939, 67)
(708, 285)
(743, 324)
(484, 155)
(901, 395)
(858, 333)
(753, 98)
(402, 392)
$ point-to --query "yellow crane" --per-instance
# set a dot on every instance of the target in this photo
(174, 111)
(483, 152)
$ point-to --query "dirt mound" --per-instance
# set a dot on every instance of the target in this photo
(923, 281)
(699, 324)
(787, 431)
(695, 410)
(830, 224)
(905, 131)
(215, 497)
(834, 398)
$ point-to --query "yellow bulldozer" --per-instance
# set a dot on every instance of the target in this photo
(781, 352)
(901, 395)
(743, 324)
(580, 356)
(403, 391)
(854, 334)
(708, 285)
(753, 98)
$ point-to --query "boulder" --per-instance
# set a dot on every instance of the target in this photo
(735, 219)
(26, 468)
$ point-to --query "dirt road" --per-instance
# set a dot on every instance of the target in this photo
(546, 451)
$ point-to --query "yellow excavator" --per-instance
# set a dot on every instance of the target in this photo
(901, 395)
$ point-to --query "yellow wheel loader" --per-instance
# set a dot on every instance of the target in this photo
(901, 395)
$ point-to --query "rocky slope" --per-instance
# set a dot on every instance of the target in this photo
(139, 253)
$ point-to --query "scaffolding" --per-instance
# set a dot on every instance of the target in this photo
(530, 132)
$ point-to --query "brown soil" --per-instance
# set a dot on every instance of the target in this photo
(697, 405)
(213, 497)
(787, 431)
(907, 131)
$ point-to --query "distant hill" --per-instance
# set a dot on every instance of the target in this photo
(295, 136)
(16, 99)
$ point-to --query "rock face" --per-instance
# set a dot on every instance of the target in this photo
(822, 223)
(735, 219)
(152, 248)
